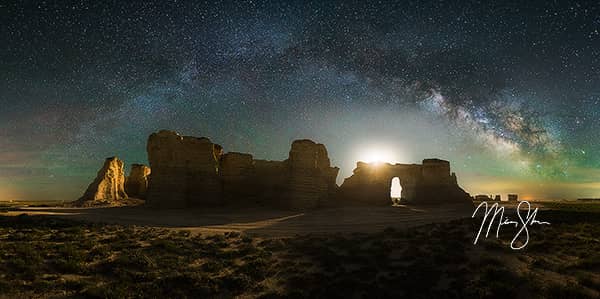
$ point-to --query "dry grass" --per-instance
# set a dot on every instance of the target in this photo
(43, 256)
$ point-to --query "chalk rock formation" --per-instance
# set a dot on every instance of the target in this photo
(270, 182)
(238, 177)
(184, 170)
(136, 184)
(235, 166)
(311, 177)
(427, 183)
(370, 183)
(108, 187)
(194, 172)
(304, 180)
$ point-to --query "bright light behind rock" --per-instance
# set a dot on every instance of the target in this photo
(379, 155)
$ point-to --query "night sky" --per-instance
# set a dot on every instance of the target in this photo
(509, 93)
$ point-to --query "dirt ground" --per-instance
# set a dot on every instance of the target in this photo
(261, 221)
(398, 252)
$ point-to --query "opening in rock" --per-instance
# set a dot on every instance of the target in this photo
(396, 191)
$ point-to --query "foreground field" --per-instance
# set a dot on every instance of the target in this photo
(259, 221)
(48, 256)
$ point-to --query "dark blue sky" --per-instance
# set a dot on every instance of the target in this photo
(508, 92)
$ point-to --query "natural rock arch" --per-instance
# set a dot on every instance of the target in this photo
(187, 171)
(430, 182)
(395, 189)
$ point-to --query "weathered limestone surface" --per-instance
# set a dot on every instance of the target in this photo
(430, 182)
(236, 166)
(253, 182)
(108, 187)
(184, 170)
(312, 179)
(194, 172)
(136, 184)
(237, 177)
(370, 183)
(302, 181)
(270, 180)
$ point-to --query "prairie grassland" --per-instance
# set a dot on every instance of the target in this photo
(51, 257)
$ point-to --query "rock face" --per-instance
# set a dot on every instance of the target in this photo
(108, 187)
(194, 172)
(427, 183)
(271, 180)
(136, 184)
(311, 177)
(238, 177)
(250, 182)
(304, 180)
(184, 170)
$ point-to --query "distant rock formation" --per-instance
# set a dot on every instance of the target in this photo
(136, 184)
(427, 183)
(482, 197)
(188, 171)
(108, 187)
(194, 172)
(184, 170)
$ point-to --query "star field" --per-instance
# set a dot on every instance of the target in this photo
(508, 92)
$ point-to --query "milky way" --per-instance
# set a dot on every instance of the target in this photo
(510, 93)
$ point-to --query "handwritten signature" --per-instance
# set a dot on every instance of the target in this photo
(524, 222)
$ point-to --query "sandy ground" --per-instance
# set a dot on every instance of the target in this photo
(261, 221)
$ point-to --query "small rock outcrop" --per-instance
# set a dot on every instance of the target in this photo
(108, 187)
(136, 184)
(482, 197)
(184, 170)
